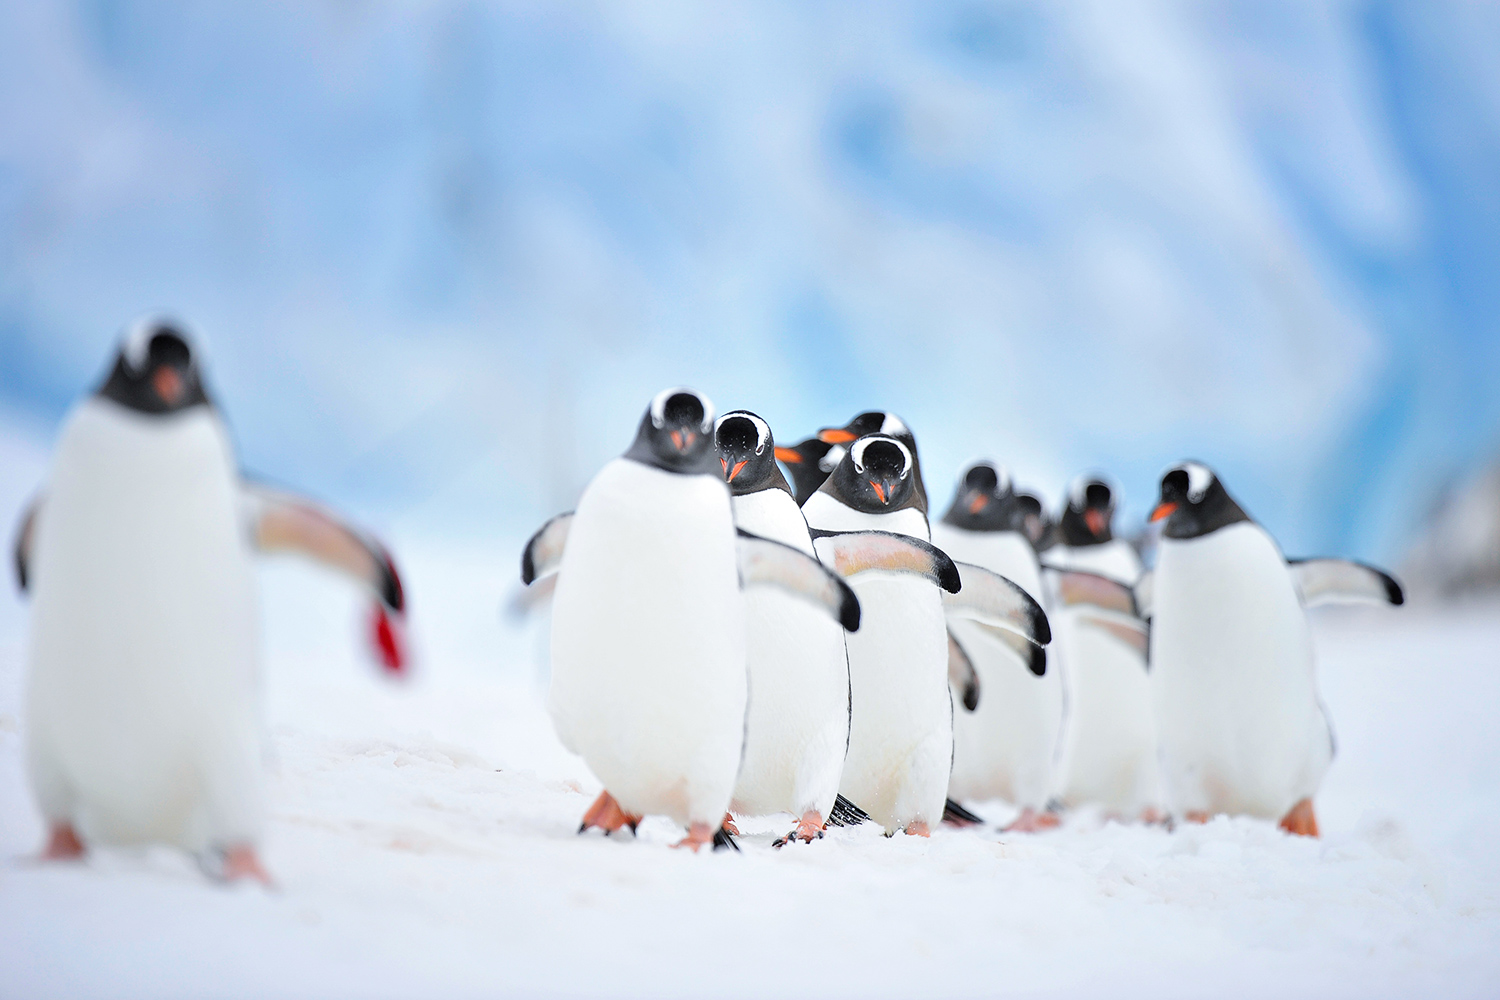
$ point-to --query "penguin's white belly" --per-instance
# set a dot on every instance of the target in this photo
(648, 641)
(775, 515)
(1006, 747)
(1240, 724)
(798, 722)
(901, 730)
(1109, 752)
(142, 704)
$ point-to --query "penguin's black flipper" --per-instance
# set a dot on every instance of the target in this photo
(763, 561)
(284, 522)
(1034, 656)
(991, 599)
(846, 813)
(543, 553)
(853, 552)
(959, 816)
(25, 537)
(723, 839)
(961, 674)
(1343, 581)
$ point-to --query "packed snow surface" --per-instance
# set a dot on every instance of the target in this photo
(423, 844)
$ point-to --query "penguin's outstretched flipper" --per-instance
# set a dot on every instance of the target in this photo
(991, 599)
(853, 552)
(285, 522)
(1128, 629)
(956, 815)
(543, 553)
(846, 813)
(1342, 581)
(961, 674)
(1076, 587)
(25, 538)
(1035, 657)
(767, 562)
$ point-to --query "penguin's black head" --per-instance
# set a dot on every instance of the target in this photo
(877, 476)
(1090, 509)
(747, 454)
(1194, 503)
(1034, 523)
(879, 422)
(676, 434)
(985, 500)
(809, 464)
(155, 370)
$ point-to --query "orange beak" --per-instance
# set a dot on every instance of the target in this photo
(168, 384)
(835, 435)
(979, 503)
(1095, 520)
(1162, 510)
(879, 490)
(683, 438)
(736, 470)
(788, 455)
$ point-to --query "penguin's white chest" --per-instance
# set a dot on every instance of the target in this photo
(1240, 724)
(143, 645)
(648, 641)
(798, 722)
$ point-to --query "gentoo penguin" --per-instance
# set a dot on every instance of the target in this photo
(1109, 754)
(1005, 740)
(1241, 727)
(809, 463)
(879, 422)
(142, 704)
(797, 728)
(648, 623)
(901, 733)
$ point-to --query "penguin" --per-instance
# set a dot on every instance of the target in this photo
(901, 732)
(797, 727)
(1007, 737)
(1109, 752)
(142, 698)
(649, 681)
(809, 463)
(878, 422)
(1241, 726)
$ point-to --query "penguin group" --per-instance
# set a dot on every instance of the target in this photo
(746, 629)
(738, 629)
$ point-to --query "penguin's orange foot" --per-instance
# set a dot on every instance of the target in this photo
(607, 815)
(918, 829)
(809, 828)
(728, 826)
(63, 844)
(1197, 816)
(1152, 816)
(1301, 820)
(241, 862)
(1031, 821)
(698, 835)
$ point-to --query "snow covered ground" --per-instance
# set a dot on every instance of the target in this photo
(423, 845)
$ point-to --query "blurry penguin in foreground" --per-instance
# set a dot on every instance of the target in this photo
(1005, 734)
(648, 623)
(797, 728)
(1241, 727)
(1109, 755)
(901, 733)
(142, 721)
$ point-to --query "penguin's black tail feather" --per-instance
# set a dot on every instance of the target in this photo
(959, 816)
(723, 839)
(846, 813)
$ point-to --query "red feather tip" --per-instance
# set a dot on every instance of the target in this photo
(390, 644)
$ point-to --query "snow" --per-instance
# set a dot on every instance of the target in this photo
(423, 844)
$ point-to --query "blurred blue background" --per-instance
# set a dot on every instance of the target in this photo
(441, 255)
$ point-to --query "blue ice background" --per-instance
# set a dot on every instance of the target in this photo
(441, 255)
